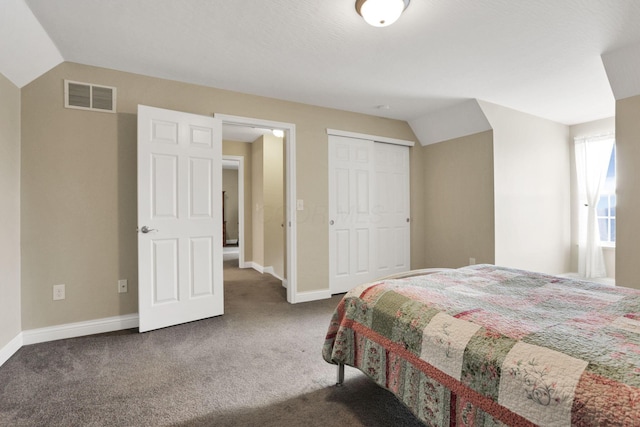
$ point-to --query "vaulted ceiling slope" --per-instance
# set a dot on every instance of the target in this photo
(541, 57)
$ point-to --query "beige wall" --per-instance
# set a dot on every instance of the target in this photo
(531, 191)
(274, 215)
(243, 149)
(10, 324)
(230, 188)
(458, 191)
(418, 233)
(268, 203)
(78, 208)
(628, 192)
(79, 186)
(597, 127)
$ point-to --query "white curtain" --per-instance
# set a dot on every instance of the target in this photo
(592, 161)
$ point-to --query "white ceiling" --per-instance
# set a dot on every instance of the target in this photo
(541, 57)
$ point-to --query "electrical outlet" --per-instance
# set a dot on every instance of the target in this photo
(122, 286)
(472, 261)
(58, 292)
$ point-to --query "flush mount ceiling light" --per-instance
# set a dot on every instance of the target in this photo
(381, 13)
(278, 133)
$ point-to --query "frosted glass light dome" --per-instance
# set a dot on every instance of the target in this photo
(381, 13)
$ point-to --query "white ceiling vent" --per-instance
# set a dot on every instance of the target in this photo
(86, 96)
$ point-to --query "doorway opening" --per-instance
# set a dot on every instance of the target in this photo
(275, 216)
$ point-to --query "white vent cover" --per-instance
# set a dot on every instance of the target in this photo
(86, 96)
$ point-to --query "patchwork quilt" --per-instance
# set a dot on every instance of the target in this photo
(491, 346)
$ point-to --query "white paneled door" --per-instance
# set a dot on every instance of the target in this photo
(350, 228)
(179, 217)
(390, 219)
(368, 211)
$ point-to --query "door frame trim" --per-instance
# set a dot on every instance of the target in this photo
(290, 191)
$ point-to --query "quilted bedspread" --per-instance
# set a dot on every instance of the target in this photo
(487, 346)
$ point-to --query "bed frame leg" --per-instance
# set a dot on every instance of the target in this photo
(340, 374)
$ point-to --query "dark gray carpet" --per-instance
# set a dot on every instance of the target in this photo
(259, 364)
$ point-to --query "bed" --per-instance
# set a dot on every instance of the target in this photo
(491, 346)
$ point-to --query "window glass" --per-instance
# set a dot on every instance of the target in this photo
(603, 206)
(613, 205)
(606, 210)
(613, 230)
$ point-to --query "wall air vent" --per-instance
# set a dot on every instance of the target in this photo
(86, 96)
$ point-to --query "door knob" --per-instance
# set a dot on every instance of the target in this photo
(146, 229)
(331, 222)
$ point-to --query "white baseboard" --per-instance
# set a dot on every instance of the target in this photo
(78, 329)
(10, 349)
(257, 267)
(270, 270)
(300, 296)
(312, 296)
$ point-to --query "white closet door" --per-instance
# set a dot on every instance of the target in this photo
(350, 192)
(368, 211)
(391, 243)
